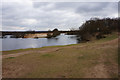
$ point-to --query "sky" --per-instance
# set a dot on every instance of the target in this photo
(43, 16)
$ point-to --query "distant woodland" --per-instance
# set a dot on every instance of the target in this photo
(96, 28)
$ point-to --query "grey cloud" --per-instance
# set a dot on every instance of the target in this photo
(40, 4)
(45, 15)
(97, 8)
(91, 7)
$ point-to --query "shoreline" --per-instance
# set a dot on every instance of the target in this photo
(94, 59)
(109, 36)
(42, 47)
(38, 48)
(114, 35)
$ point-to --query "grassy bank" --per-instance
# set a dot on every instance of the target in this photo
(109, 37)
(95, 59)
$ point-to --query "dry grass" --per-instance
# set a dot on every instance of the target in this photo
(97, 59)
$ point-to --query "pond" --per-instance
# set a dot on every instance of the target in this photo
(23, 43)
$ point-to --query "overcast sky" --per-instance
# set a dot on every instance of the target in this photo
(49, 15)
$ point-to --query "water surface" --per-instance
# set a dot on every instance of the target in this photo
(23, 43)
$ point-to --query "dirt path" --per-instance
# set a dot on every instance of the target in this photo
(101, 70)
(98, 71)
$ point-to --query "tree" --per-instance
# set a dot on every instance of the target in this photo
(56, 32)
(98, 27)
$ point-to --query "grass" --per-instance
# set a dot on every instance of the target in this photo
(11, 58)
(15, 51)
(70, 61)
(109, 37)
(47, 55)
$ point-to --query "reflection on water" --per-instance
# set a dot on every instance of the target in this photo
(22, 43)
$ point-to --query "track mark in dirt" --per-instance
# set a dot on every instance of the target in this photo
(99, 71)
(102, 70)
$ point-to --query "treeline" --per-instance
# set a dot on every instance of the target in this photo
(96, 28)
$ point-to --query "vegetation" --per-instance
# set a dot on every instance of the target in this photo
(96, 28)
(95, 59)
(11, 58)
(54, 33)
